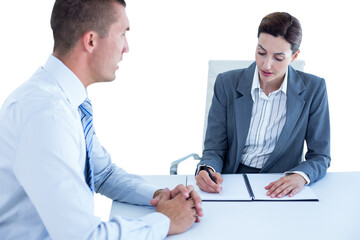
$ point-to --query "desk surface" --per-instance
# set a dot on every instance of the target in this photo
(336, 216)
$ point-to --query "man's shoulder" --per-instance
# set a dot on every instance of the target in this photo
(39, 93)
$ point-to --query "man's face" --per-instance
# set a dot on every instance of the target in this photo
(109, 50)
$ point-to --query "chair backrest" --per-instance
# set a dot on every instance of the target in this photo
(220, 66)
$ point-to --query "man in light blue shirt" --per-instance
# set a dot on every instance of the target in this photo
(44, 192)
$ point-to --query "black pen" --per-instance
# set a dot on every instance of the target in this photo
(210, 175)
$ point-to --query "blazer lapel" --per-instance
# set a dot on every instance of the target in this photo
(243, 109)
(295, 104)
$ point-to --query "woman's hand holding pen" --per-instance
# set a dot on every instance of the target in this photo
(205, 183)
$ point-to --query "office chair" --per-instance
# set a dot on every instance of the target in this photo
(216, 67)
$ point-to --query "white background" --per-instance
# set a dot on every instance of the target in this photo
(153, 113)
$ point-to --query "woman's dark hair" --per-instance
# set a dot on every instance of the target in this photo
(284, 25)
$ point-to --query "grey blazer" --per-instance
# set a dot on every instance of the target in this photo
(307, 118)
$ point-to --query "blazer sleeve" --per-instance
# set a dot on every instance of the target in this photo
(317, 136)
(216, 139)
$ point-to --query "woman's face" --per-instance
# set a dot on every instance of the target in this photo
(273, 55)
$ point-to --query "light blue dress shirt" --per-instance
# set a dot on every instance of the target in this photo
(43, 192)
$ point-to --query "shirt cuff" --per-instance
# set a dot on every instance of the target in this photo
(201, 167)
(150, 226)
(304, 175)
(158, 221)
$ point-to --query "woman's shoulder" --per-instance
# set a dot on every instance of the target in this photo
(308, 76)
(312, 85)
(233, 77)
(235, 73)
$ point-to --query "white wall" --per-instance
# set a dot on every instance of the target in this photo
(153, 112)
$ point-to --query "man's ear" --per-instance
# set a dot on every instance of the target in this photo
(296, 54)
(89, 41)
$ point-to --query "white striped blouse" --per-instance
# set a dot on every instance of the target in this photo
(267, 121)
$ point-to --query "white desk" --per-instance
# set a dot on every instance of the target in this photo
(335, 217)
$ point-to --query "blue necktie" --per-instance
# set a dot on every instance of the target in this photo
(87, 123)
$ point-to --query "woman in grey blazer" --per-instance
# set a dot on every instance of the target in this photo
(261, 116)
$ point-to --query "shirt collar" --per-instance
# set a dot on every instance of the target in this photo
(256, 84)
(69, 83)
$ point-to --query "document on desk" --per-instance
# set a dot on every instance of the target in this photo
(233, 189)
(259, 181)
(250, 187)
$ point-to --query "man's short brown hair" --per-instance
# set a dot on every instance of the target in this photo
(70, 19)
